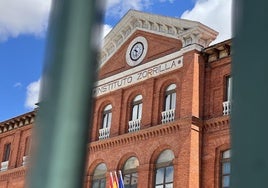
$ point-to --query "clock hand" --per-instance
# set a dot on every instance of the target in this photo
(136, 51)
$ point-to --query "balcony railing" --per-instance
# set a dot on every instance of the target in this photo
(25, 160)
(134, 125)
(226, 107)
(4, 165)
(104, 133)
(168, 116)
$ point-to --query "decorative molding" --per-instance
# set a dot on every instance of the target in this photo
(17, 122)
(189, 32)
(217, 124)
(218, 51)
(16, 172)
(144, 134)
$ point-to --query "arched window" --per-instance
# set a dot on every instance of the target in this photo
(225, 168)
(134, 123)
(168, 113)
(104, 132)
(164, 170)
(99, 178)
(130, 174)
(107, 116)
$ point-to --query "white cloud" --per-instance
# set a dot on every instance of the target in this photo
(32, 94)
(105, 30)
(118, 8)
(216, 14)
(23, 17)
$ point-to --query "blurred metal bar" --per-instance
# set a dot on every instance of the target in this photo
(62, 124)
(250, 95)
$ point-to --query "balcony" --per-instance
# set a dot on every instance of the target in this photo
(4, 166)
(168, 116)
(226, 107)
(134, 125)
(25, 160)
(104, 133)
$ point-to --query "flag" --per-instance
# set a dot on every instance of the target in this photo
(112, 182)
(121, 181)
(116, 179)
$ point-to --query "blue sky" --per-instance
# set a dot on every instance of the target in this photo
(23, 26)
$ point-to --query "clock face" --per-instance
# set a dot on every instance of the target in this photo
(136, 51)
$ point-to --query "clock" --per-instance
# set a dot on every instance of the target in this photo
(136, 51)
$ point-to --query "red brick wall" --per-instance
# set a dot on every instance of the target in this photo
(182, 139)
(216, 139)
(197, 136)
(158, 46)
(14, 177)
(215, 84)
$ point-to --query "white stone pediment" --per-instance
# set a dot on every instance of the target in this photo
(189, 32)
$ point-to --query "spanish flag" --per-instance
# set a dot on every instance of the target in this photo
(113, 183)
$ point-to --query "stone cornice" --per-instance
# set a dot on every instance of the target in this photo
(217, 124)
(189, 32)
(145, 134)
(218, 51)
(17, 122)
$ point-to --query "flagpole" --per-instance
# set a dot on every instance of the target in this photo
(116, 179)
(121, 180)
(111, 182)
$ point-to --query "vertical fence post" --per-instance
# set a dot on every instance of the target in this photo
(249, 126)
(62, 125)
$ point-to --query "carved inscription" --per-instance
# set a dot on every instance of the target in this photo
(139, 76)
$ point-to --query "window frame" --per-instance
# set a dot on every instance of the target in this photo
(170, 92)
(28, 144)
(165, 182)
(222, 162)
(228, 88)
(164, 165)
(131, 172)
(7, 152)
(106, 117)
(137, 102)
(99, 178)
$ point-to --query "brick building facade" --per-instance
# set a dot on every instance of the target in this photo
(161, 114)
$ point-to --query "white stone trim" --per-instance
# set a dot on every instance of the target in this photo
(162, 25)
(151, 63)
(136, 75)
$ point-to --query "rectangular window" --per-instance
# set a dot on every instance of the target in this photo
(27, 146)
(6, 153)
(228, 92)
(99, 183)
(228, 96)
(225, 169)
(164, 177)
